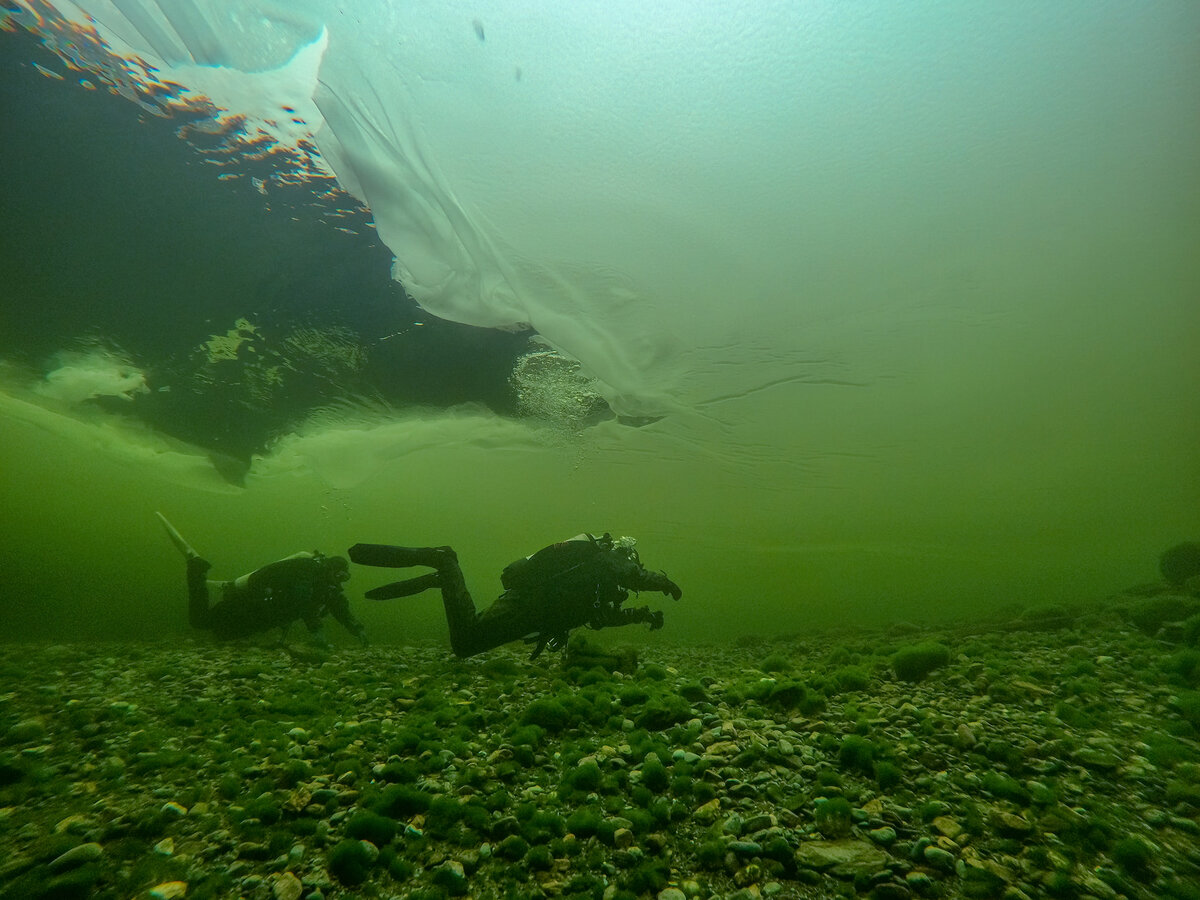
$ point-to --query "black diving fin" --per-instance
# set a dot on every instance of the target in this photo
(404, 588)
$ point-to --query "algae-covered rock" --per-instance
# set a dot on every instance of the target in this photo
(914, 662)
(845, 858)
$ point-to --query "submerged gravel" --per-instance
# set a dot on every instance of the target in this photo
(971, 763)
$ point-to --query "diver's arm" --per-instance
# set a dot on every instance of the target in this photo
(339, 608)
(317, 632)
(616, 616)
(633, 577)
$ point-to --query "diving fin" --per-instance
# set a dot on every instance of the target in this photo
(400, 557)
(177, 539)
(404, 588)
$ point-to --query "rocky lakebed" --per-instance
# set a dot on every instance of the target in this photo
(1056, 755)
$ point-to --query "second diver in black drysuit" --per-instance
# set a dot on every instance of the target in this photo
(305, 586)
(581, 581)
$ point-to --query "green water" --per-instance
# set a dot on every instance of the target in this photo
(960, 376)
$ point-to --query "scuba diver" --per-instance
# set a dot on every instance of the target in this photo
(581, 581)
(305, 586)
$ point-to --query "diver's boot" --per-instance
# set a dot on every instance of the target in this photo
(404, 588)
(402, 557)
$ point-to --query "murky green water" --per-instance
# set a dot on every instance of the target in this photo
(914, 300)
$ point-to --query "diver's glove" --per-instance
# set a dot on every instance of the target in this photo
(658, 581)
(555, 642)
(319, 640)
(656, 620)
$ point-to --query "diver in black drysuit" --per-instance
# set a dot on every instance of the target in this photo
(305, 586)
(581, 581)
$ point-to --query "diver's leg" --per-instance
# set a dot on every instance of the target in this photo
(198, 610)
(466, 638)
(197, 568)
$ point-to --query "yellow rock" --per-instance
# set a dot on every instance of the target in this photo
(947, 826)
(708, 811)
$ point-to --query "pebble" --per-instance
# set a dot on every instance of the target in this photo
(919, 882)
(1011, 824)
(25, 732)
(76, 856)
(924, 728)
(758, 823)
(884, 836)
(947, 826)
(708, 812)
(745, 848)
(287, 887)
(939, 858)
(168, 890)
(75, 824)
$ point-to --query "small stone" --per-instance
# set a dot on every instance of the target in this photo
(76, 856)
(1191, 826)
(165, 847)
(745, 848)
(1093, 758)
(452, 876)
(299, 798)
(707, 812)
(758, 823)
(623, 838)
(947, 826)
(844, 858)
(168, 890)
(287, 887)
(884, 836)
(172, 808)
(26, 731)
(722, 750)
(75, 824)
(919, 882)
(939, 859)
(1095, 886)
(1011, 825)
(251, 850)
(964, 737)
